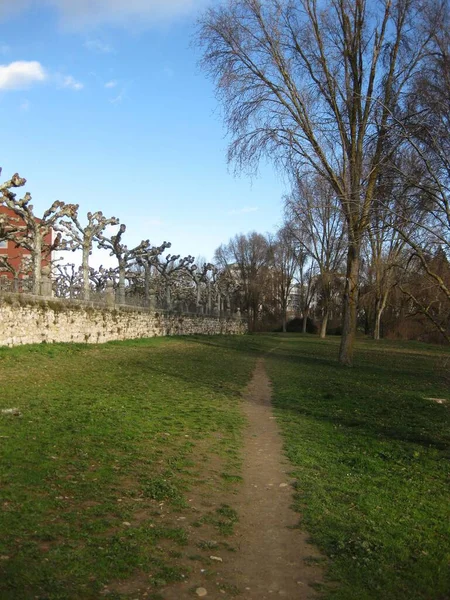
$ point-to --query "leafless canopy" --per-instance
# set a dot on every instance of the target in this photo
(316, 85)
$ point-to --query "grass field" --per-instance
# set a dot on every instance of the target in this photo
(97, 473)
(371, 456)
(109, 442)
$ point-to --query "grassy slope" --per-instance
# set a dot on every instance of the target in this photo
(371, 458)
(107, 433)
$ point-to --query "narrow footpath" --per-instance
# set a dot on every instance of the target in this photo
(271, 557)
(272, 551)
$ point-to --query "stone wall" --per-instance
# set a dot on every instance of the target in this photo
(31, 320)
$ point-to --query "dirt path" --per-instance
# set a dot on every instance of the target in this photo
(272, 553)
(272, 558)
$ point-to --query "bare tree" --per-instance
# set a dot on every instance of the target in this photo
(125, 256)
(84, 237)
(394, 210)
(315, 220)
(30, 231)
(248, 256)
(314, 84)
(68, 281)
(284, 258)
(99, 277)
(169, 270)
(18, 273)
(305, 287)
(147, 259)
(424, 129)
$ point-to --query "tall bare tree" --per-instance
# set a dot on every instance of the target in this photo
(315, 220)
(314, 84)
(425, 129)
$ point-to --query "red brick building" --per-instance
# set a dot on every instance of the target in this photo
(17, 254)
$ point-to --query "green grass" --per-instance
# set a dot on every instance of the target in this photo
(98, 473)
(371, 458)
(101, 462)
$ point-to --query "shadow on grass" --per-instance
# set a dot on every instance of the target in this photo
(379, 400)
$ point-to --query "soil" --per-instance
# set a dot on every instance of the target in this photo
(270, 556)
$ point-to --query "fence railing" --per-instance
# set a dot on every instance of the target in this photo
(110, 298)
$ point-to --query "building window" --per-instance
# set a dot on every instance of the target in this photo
(3, 244)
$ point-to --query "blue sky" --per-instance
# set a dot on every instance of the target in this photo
(103, 104)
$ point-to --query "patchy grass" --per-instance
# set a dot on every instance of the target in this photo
(371, 458)
(121, 449)
(97, 470)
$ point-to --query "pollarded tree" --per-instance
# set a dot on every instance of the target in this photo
(170, 269)
(314, 84)
(67, 281)
(18, 272)
(29, 231)
(125, 256)
(100, 277)
(146, 260)
(83, 237)
(200, 278)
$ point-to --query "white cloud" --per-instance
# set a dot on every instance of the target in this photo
(243, 211)
(111, 84)
(71, 83)
(21, 75)
(98, 46)
(89, 13)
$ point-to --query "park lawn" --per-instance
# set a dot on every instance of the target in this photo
(97, 470)
(97, 473)
(370, 457)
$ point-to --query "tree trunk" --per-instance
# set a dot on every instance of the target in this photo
(147, 284)
(324, 323)
(121, 283)
(380, 305)
(85, 267)
(305, 320)
(36, 257)
(376, 329)
(209, 307)
(350, 305)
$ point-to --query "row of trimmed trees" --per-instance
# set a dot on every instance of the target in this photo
(143, 275)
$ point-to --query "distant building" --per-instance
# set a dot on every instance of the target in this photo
(18, 256)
